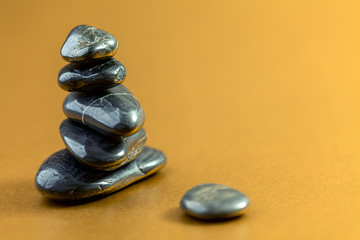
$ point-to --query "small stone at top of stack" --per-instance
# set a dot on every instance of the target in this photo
(89, 51)
(86, 43)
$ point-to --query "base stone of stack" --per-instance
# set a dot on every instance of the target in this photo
(62, 177)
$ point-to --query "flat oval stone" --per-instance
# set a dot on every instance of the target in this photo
(87, 43)
(214, 202)
(113, 112)
(79, 77)
(99, 151)
(62, 177)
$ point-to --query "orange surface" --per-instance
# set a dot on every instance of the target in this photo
(262, 96)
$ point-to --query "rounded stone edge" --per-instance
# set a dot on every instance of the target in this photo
(118, 78)
(149, 167)
(87, 59)
(135, 149)
(213, 217)
(98, 126)
(99, 192)
(116, 164)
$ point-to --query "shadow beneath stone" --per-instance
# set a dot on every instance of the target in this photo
(177, 215)
(63, 203)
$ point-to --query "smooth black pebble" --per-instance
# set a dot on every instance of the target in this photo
(113, 112)
(78, 77)
(86, 43)
(99, 151)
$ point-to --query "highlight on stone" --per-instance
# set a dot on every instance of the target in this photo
(104, 136)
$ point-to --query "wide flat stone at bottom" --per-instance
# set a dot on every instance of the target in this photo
(212, 201)
(62, 177)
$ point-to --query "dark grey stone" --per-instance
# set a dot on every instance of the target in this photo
(62, 177)
(87, 43)
(80, 77)
(214, 202)
(113, 112)
(99, 151)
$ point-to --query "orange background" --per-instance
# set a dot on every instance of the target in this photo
(262, 96)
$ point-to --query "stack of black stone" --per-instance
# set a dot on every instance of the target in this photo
(105, 142)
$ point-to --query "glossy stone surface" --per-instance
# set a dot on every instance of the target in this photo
(79, 77)
(86, 43)
(113, 112)
(99, 151)
(214, 202)
(62, 177)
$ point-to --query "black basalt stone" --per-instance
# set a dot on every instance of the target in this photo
(99, 151)
(62, 177)
(112, 112)
(79, 77)
(87, 43)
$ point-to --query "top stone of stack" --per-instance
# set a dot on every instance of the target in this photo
(86, 43)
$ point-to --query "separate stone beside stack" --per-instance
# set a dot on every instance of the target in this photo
(103, 133)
